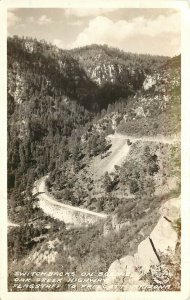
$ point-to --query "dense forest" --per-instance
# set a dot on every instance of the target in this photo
(62, 105)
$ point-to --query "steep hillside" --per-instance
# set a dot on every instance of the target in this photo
(110, 65)
(154, 267)
(51, 96)
(66, 110)
(155, 108)
(56, 72)
(117, 74)
(94, 76)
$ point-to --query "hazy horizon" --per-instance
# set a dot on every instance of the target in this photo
(90, 45)
(141, 31)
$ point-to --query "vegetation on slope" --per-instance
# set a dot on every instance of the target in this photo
(60, 110)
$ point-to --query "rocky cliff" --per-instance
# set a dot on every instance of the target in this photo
(126, 273)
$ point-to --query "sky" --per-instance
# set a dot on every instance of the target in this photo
(150, 31)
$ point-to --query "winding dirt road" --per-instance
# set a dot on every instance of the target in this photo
(120, 149)
(54, 208)
(156, 139)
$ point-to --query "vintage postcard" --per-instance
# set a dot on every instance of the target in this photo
(95, 148)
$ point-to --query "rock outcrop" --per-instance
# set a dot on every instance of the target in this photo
(125, 273)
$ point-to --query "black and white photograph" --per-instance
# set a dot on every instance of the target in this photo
(93, 149)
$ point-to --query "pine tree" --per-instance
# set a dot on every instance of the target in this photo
(107, 183)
